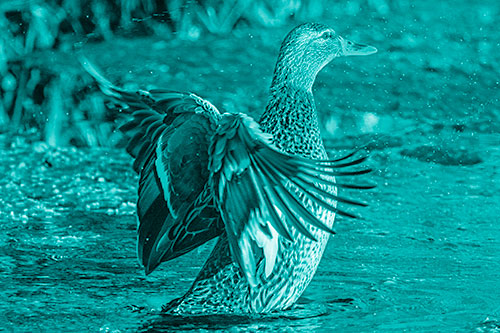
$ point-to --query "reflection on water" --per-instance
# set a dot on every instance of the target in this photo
(303, 316)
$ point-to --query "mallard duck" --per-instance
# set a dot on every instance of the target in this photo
(266, 189)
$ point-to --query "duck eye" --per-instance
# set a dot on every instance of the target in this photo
(326, 35)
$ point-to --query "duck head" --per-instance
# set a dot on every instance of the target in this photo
(307, 49)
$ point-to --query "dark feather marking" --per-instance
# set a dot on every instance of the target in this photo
(283, 207)
(323, 203)
(308, 187)
(324, 164)
(301, 184)
(151, 224)
(315, 179)
(315, 221)
(276, 221)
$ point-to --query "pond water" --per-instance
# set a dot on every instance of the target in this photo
(424, 256)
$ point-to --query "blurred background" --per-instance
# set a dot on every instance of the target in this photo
(423, 256)
(43, 91)
(443, 53)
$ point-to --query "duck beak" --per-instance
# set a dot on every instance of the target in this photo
(349, 48)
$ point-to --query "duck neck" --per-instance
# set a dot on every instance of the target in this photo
(291, 118)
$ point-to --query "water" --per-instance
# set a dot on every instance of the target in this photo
(424, 256)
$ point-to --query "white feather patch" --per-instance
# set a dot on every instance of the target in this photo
(270, 251)
(268, 244)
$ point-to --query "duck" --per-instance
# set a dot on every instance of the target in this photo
(265, 189)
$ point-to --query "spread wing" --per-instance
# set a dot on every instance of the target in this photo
(251, 183)
(169, 138)
(202, 173)
(175, 207)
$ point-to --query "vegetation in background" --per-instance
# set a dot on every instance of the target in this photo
(58, 105)
(32, 97)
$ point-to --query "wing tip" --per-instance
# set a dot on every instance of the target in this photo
(105, 86)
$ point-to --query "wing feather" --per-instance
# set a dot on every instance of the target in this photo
(259, 192)
(169, 134)
(199, 169)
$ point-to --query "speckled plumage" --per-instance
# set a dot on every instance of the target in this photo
(268, 191)
(291, 118)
